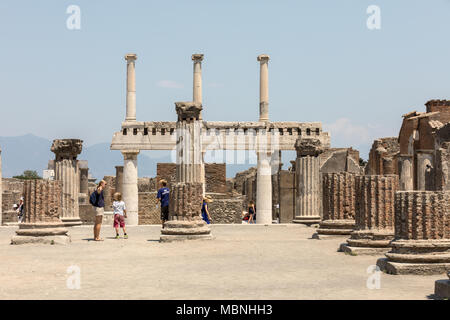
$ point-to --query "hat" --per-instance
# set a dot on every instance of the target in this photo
(15, 206)
(21, 198)
(208, 199)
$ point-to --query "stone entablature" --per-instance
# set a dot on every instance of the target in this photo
(218, 135)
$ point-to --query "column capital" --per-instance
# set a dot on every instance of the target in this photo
(188, 110)
(197, 57)
(130, 154)
(308, 147)
(66, 148)
(131, 57)
(263, 58)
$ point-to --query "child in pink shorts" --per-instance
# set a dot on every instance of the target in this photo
(120, 213)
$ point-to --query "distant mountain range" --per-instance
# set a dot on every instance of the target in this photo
(30, 152)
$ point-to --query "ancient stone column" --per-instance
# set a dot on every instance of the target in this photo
(264, 189)
(307, 171)
(42, 209)
(338, 204)
(405, 168)
(131, 87)
(197, 84)
(264, 87)
(84, 180)
(422, 234)
(374, 228)
(186, 195)
(67, 171)
(130, 187)
(119, 178)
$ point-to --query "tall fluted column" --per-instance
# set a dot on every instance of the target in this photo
(264, 189)
(130, 187)
(84, 180)
(131, 87)
(67, 171)
(307, 176)
(42, 210)
(264, 87)
(119, 179)
(197, 84)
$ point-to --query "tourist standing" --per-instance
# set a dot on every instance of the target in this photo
(98, 201)
(163, 198)
(205, 210)
(251, 212)
(120, 213)
(19, 210)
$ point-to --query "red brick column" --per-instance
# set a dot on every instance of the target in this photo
(338, 204)
(185, 207)
(374, 230)
(42, 209)
(422, 234)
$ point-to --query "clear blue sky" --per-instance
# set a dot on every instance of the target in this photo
(325, 64)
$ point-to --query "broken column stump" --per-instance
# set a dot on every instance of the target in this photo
(442, 288)
(374, 230)
(42, 208)
(422, 234)
(338, 204)
(185, 213)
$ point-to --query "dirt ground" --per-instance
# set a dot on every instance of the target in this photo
(242, 262)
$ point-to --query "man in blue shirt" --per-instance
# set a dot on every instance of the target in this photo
(163, 197)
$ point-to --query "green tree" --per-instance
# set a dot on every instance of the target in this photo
(28, 175)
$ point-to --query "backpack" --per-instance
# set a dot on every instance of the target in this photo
(93, 198)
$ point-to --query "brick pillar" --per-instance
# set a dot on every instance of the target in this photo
(374, 229)
(185, 213)
(422, 234)
(42, 208)
(338, 204)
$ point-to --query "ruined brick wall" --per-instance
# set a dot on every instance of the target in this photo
(185, 200)
(339, 160)
(382, 156)
(42, 201)
(216, 177)
(166, 171)
(149, 209)
(12, 185)
(226, 210)
(241, 178)
(338, 196)
(442, 106)
(422, 215)
(375, 197)
(147, 185)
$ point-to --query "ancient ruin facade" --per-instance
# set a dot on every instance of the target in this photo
(262, 136)
(374, 219)
(42, 223)
(422, 234)
(383, 157)
(67, 171)
(419, 139)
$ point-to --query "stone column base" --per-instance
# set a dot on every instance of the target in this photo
(336, 227)
(442, 288)
(417, 257)
(71, 222)
(308, 220)
(46, 233)
(368, 242)
(180, 230)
